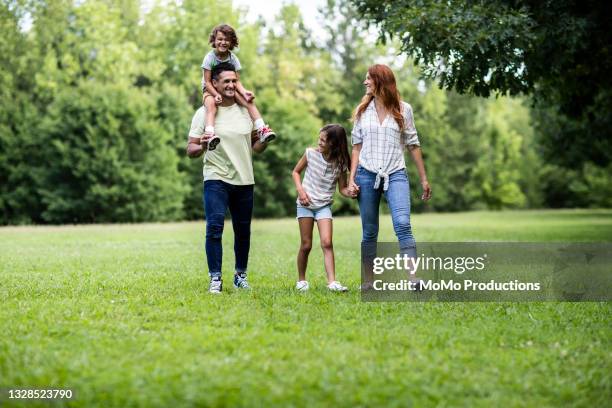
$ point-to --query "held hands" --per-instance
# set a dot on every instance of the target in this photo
(218, 99)
(353, 189)
(426, 190)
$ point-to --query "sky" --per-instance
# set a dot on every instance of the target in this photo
(268, 9)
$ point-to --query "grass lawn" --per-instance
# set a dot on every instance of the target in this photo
(120, 315)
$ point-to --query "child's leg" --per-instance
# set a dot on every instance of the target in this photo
(325, 234)
(253, 111)
(306, 225)
(211, 110)
(265, 133)
(209, 127)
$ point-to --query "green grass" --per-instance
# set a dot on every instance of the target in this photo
(120, 314)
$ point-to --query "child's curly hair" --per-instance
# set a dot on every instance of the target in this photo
(229, 32)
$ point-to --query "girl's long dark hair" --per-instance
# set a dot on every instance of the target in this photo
(338, 148)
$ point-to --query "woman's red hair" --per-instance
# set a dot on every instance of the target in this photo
(386, 91)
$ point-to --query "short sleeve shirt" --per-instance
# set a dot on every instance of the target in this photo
(232, 160)
(382, 150)
(211, 60)
(319, 179)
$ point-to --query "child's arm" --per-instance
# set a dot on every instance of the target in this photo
(297, 179)
(354, 163)
(209, 87)
(343, 186)
(248, 95)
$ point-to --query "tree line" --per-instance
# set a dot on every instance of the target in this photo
(97, 97)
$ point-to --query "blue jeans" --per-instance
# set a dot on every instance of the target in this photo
(398, 198)
(218, 197)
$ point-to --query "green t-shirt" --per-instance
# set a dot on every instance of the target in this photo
(232, 160)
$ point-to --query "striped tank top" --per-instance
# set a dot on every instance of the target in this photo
(319, 180)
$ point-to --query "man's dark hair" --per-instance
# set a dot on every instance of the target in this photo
(222, 67)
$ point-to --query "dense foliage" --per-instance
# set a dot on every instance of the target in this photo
(96, 99)
(556, 51)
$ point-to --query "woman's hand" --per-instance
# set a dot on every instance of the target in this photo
(426, 190)
(303, 197)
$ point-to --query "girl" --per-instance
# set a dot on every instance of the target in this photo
(223, 39)
(325, 166)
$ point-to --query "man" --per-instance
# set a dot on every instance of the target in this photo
(228, 176)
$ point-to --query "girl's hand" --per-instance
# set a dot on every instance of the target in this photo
(249, 96)
(218, 99)
(426, 190)
(303, 197)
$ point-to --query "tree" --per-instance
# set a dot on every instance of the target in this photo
(18, 117)
(558, 51)
(108, 158)
(285, 82)
(82, 140)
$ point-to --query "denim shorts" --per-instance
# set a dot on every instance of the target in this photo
(316, 213)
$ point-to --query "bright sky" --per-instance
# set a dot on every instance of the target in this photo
(268, 9)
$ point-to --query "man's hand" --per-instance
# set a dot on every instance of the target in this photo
(195, 148)
(205, 138)
(218, 99)
(258, 147)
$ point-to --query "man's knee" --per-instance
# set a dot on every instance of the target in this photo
(242, 229)
(214, 226)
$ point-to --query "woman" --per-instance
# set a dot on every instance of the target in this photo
(383, 127)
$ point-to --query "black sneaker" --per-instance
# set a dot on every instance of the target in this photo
(212, 143)
(240, 281)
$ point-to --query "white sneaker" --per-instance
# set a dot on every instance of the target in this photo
(216, 286)
(335, 286)
(302, 286)
(266, 135)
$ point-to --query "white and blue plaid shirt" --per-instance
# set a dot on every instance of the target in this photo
(382, 145)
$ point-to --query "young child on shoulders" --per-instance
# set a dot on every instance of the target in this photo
(325, 167)
(223, 40)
